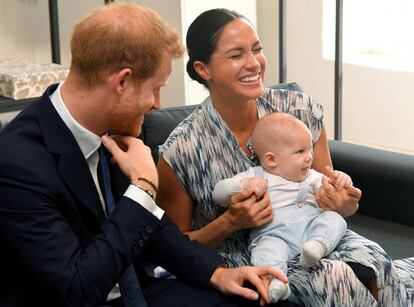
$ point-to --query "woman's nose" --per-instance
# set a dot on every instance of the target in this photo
(252, 61)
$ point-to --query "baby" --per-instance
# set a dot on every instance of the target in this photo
(283, 145)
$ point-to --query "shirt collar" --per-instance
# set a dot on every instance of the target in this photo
(88, 141)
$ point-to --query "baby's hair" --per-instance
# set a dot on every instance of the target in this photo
(274, 128)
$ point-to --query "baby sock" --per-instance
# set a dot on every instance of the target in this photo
(278, 290)
(312, 252)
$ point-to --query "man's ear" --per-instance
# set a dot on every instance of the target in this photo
(202, 69)
(120, 80)
(270, 159)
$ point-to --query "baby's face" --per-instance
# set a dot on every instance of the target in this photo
(295, 156)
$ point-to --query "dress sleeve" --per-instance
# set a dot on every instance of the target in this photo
(298, 104)
(307, 110)
(173, 155)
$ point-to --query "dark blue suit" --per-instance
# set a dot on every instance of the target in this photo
(57, 246)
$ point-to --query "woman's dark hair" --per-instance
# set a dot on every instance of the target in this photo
(202, 37)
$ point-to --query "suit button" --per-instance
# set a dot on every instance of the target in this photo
(148, 229)
(135, 250)
(141, 243)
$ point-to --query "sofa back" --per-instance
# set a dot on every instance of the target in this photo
(159, 124)
(385, 178)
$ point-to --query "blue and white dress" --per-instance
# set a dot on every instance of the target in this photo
(202, 151)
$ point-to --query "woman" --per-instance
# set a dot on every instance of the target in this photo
(213, 143)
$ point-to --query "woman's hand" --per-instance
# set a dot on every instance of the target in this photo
(257, 184)
(344, 201)
(246, 211)
(339, 179)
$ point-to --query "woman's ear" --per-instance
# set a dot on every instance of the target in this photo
(202, 69)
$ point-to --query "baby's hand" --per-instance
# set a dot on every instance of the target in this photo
(256, 184)
(340, 180)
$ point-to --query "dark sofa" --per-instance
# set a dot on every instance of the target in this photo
(386, 213)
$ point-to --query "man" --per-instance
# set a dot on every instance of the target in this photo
(61, 243)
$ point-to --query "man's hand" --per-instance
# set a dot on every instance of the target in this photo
(133, 158)
(231, 281)
(245, 211)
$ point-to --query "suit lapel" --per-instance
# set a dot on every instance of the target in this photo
(70, 162)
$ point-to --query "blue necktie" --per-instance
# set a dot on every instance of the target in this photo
(128, 284)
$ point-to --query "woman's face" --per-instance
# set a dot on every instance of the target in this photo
(238, 64)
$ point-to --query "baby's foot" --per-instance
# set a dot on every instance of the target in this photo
(312, 252)
(278, 290)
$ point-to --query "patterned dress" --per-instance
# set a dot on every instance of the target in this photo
(202, 151)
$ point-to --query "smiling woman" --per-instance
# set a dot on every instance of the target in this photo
(239, 50)
(214, 143)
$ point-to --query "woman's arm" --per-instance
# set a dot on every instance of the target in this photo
(244, 211)
(345, 202)
(322, 157)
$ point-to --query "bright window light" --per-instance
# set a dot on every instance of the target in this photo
(376, 33)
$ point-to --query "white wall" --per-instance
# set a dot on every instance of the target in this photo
(24, 30)
(70, 12)
(174, 93)
(377, 108)
(268, 29)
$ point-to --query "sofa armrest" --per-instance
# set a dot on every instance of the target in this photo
(385, 178)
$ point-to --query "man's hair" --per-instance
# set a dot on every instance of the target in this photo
(118, 36)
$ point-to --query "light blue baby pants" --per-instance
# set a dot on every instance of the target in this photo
(280, 240)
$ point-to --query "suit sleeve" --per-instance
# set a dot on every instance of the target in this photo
(188, 260)
(78, 267)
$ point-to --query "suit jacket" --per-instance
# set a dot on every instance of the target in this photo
(57, 246)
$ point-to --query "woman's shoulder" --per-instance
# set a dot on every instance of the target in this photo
(274, 95)
(286, 100)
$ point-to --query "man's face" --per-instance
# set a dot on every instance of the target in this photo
(140, 97)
